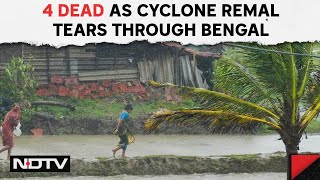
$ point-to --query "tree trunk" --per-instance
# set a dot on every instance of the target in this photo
(291, 148)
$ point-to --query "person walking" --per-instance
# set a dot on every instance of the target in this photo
(122, 130)
(10, 122)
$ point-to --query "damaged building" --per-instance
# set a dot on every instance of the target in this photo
(138, 61)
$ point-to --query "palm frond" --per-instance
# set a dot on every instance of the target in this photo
(268, 68)
(304, 65)
(279, 69)
(216, 121)
(211, 100)
(311, 99)
(292, 72)
(311, 112)
(285, 74)
(312, 88)
(233, 78)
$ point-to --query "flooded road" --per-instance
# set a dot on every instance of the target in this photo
(90, 147)
(253, 176)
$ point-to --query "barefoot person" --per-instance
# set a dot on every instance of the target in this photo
(122, 130)
(11, 120)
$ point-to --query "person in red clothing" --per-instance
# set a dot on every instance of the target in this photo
(11, 120)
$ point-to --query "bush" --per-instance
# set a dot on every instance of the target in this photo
(18, 82)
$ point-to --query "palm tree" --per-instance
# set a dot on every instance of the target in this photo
(251, 88)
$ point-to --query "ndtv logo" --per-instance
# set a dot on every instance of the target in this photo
(39, 163)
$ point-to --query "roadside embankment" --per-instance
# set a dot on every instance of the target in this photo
(163, 165)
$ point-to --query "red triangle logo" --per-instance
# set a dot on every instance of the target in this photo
(300, 162)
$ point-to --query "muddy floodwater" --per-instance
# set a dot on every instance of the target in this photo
(253, 176)
(91, 147)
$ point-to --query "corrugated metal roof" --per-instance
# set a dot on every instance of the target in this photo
(193, 51)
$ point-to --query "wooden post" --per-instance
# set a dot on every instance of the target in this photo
(48, 63)
(67, 59)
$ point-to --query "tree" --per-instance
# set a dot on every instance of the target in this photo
(255, 87)
(18, 82)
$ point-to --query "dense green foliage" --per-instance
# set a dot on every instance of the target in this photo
(18, 82)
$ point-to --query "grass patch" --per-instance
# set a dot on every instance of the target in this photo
(104, 109)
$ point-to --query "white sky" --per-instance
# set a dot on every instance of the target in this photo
(23, 21)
